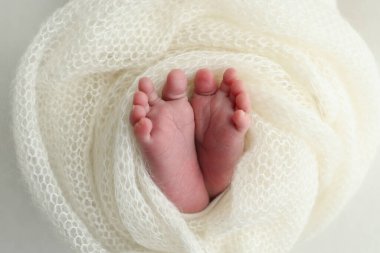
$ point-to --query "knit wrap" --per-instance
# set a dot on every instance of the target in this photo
(314, 89)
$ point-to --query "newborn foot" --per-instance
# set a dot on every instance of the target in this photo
(221, 122)
(164, 129)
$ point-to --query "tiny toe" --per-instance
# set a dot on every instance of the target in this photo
(229, 75)
(241, 120)
(140, 98)
(175, 86)
(142, 129)
(146, 86)
(242, 102)
(138, 112)
(204, 83)
(225, 88)
(236, 87)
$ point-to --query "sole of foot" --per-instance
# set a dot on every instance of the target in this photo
(164, 129)
(221, 122)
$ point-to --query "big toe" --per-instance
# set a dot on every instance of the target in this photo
(175, 87)
(204, 83)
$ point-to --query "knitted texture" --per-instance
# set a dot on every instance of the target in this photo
(314, 89)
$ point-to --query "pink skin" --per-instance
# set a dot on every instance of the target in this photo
(190, 173)
(221, 122)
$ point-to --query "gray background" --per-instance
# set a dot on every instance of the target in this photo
(23, 228)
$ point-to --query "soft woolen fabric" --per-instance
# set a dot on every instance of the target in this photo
(314, 88)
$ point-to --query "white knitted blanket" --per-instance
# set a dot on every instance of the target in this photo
(315, 94)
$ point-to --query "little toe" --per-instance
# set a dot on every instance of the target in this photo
(204, 83)
(241, 120)
(142, 130)
(175, 86)
(138, 112)
(146, 86)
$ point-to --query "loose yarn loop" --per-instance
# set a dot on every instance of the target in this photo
(314, 88)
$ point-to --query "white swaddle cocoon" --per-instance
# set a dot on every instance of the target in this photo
(315, 94)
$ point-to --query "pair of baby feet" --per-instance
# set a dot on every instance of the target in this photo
(191, 147)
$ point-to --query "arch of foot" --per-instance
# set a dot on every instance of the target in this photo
(314, 115)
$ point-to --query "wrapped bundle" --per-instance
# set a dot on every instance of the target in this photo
(314, 89)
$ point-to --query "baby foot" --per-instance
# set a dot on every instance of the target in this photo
(221, 122)
(164, 130)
